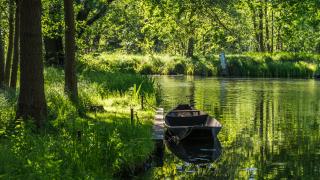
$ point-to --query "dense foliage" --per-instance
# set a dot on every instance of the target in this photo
(197, 27)
(107, 47)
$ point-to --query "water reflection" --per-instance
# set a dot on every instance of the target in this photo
(270, 126)
(196, 151)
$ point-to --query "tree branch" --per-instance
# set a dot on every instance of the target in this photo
(102, 11)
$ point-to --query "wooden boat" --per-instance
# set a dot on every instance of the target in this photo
(186, 122)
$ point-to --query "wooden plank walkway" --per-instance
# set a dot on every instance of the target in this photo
(158, 125)
(158, 136)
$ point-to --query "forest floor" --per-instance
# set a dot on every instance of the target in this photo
(94, 140)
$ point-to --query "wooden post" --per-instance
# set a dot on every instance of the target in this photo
(158, 153)
(158, 135)
(142, 99)
(132, 120)
(223, 63)
(79, 135)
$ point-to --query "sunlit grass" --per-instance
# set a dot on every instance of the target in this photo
(79, 142)
(288, 65)
(150, 64)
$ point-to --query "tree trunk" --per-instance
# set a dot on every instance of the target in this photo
(261, 40)
(182, 48)
(272, 30)
(1, 57)
(190, 47)
(54, 55)
(203, 45)
(31, 103)
(317, 49)
(70, 72)
(267, 26)
(7, 70)
(15, 63)
(255, 27)
(54, 50)
(96, 42)
(279, 46)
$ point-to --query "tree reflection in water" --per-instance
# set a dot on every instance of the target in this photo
(271, 127)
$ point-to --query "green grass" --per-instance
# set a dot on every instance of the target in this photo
(151, 64)
(285, 65)
(93, 145)
(77, 143)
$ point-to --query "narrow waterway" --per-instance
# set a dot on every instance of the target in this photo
(271, 128)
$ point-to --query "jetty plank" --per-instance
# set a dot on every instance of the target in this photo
(158, 125)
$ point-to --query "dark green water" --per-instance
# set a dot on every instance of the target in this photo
(269, 125)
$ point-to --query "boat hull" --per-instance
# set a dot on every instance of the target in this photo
(186, 122)
(193, 132)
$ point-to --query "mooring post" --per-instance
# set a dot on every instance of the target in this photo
(79, 135)
(223, 63)
(142, 99)
(158, 153)
(158, 135)
(132, 120)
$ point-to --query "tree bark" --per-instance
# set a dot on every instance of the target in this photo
(272, 30)
(279, 44)
(190, 47)
(53, 44)
(31, 102)
(96, 42)
(1, 57)
(261, 40)
(190, 32)
(70, 72)
(7, 70)
(267, 26)
(54, 50)
(15, 63)
(255, 26)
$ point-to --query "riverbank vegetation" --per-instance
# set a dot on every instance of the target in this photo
(70, 71)
(94, 140)
(277, 65)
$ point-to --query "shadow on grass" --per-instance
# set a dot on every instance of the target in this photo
(95, 148)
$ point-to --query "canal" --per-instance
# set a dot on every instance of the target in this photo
(271, 129)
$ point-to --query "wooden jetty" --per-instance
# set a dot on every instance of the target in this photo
(158, 125)
(158, 136)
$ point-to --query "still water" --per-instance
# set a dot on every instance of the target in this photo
(271, 128)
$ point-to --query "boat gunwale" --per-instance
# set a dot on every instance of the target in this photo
(200, 113)
(195, 126)
(184, 127)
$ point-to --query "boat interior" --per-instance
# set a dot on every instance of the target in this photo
(185, 113)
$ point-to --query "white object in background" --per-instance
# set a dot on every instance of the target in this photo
(223, 61)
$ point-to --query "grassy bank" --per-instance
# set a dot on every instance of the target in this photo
(284, 65)
(287, 65)
(97, 144)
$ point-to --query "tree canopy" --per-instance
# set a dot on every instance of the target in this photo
(203, 26)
